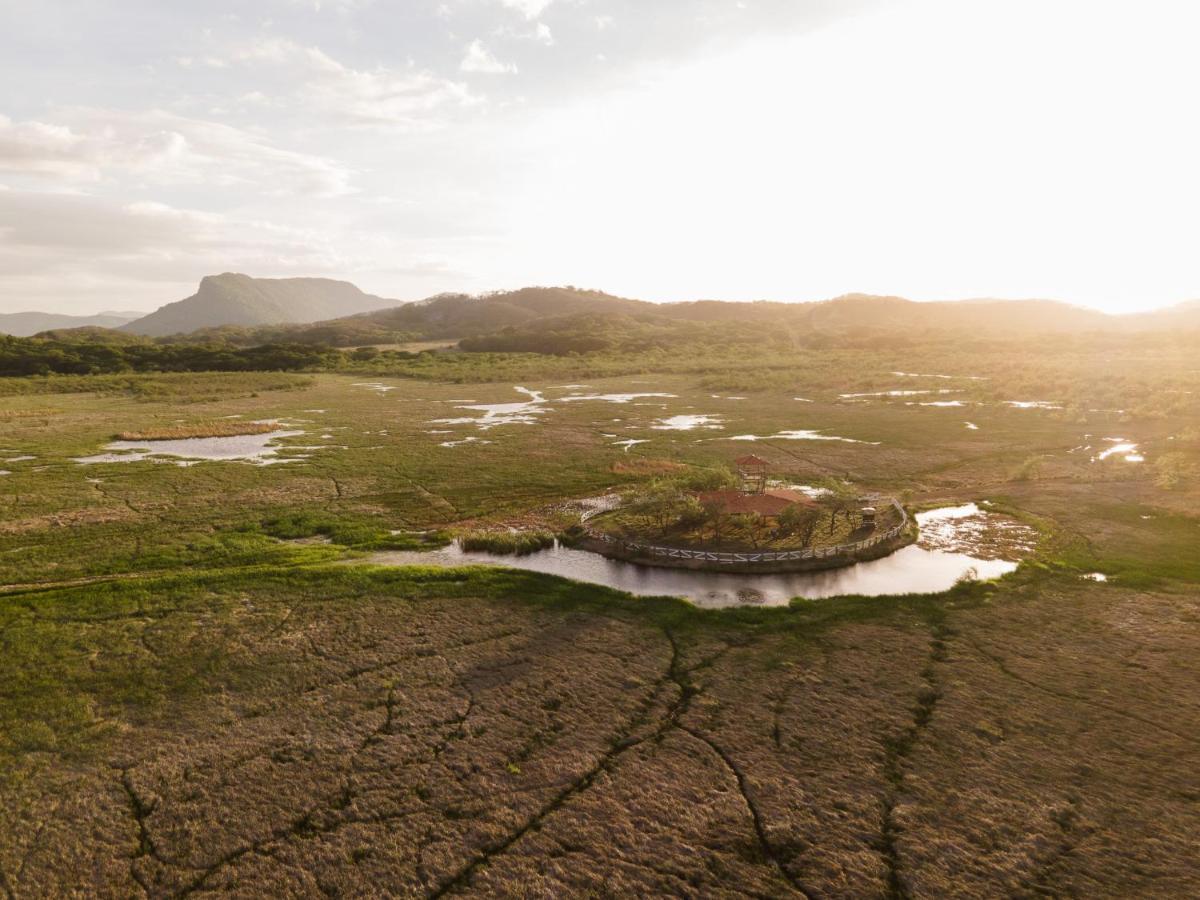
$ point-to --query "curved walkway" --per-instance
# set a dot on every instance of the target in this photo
(752, 557)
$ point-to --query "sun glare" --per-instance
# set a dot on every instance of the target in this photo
(930, 149)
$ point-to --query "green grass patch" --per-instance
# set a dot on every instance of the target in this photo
(507, 543)
(350, 533)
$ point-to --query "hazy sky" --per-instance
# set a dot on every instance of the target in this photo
(674, 149)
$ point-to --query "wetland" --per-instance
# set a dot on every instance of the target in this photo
(291, 679)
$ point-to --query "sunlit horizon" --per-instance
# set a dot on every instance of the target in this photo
(760, 151)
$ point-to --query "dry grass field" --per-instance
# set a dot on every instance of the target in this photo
(429, 734)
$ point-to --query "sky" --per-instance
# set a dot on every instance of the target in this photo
(666, 150)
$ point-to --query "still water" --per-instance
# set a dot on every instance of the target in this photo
(262, 449)
(915, 569)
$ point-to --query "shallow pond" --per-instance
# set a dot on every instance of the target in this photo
(1127, 450)
(376, 387)
(914, 569)
(897, 393)
(629, 444)
(688, 423)
(262, 449)
(919, 375)
(527, 412)
(798, 435)
(1032, 404)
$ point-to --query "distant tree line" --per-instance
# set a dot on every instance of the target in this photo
(352, 332)
(33, 356)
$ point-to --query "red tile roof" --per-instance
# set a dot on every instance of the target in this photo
(770, 503)
(751, 461)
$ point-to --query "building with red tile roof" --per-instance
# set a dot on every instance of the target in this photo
(769, 504)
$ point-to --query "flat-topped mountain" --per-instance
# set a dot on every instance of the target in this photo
(24, 324)
(233, 299)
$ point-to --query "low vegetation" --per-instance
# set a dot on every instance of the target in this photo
(200, 430)
(507, 543)
(347, 531)
(674, 511)
(205, 687)
(159, 387)
(502, 715)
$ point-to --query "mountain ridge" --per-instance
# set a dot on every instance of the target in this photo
(236, 299)
(240, 309)
(31, 322)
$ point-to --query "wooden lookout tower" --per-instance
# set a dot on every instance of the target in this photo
(752, 472)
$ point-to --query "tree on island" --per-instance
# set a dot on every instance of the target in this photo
(799, 522)
(663, 503)
(751, 525)
(842, 500)
(714, 515)
(692, 514)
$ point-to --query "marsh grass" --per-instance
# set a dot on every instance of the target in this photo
(354, 534)
(173, 387)
(1137, 546)
(507, 543)
(12, 415)
(200, 430)
(199, 612)
(57, 698)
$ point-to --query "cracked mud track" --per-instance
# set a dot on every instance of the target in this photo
(498, 734)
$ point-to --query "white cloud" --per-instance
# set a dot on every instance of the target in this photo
(161, 148)
(338, 6)
(275, 50)
(530, 8)
(43, 149)
(537, 32)
(83, 223)
(410, 99)
(82, 252)
(481, 60)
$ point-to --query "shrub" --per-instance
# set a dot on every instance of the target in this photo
(1172, 470)
(714, 479)
(507, 543)
(1028, 470)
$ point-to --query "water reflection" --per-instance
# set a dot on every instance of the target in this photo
(912, 570)
(261, 449)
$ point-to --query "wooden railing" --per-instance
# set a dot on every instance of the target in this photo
(730, 559)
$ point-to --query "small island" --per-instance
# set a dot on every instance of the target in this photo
(743, 520)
